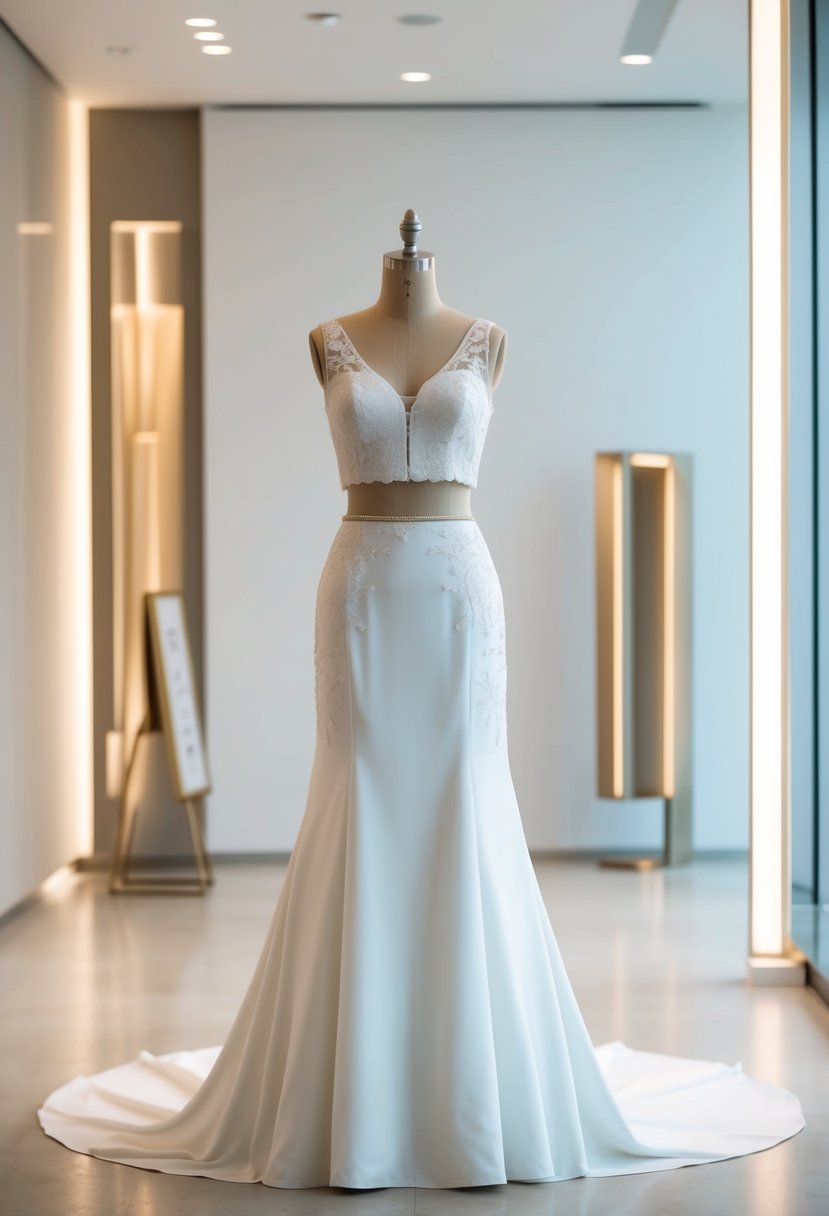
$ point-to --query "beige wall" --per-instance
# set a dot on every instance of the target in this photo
(45, 807)
(144, 165)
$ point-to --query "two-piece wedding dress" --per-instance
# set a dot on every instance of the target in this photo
(410, 1021)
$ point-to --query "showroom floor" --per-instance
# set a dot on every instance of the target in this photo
(657, 959)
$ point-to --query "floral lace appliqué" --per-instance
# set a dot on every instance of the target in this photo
(473, 352)
(440, 437)
(344, 585)
(491, 685)
(340, 353)
(473, 579)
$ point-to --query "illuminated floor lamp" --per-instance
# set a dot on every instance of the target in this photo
(643, 640)
(147, 360)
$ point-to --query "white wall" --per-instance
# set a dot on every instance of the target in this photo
(612, 246)
(45, 813)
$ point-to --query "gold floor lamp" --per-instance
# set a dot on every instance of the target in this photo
(147, 361)
(643, 640)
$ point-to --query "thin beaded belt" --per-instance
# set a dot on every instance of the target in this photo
(404, 517)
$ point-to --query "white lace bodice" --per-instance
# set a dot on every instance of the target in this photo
(440, 438)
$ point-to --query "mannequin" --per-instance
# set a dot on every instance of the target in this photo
(405, 337)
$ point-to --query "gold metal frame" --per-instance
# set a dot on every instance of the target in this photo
(159, 716)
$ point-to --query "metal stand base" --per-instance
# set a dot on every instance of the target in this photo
(676, 847)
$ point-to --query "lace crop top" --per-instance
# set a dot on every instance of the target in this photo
(376, 438)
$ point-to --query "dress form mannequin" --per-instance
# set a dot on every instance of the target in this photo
(410, 1022)
(405, 337)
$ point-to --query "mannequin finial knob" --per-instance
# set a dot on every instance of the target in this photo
(410, 229)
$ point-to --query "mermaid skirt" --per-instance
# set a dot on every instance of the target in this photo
(410, 1021)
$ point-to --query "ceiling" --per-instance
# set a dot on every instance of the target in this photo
(532, 51)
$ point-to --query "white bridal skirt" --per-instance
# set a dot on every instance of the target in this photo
(410, 1021)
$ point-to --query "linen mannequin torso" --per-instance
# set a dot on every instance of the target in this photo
(402, 339)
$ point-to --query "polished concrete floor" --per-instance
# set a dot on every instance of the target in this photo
(656, 959)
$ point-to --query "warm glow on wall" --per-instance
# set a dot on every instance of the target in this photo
(643, 638)
(655, 460)
(669, 636)
(147, 403)
(618, 636)
(80, 606)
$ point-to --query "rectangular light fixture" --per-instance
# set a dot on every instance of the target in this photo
(642, 582)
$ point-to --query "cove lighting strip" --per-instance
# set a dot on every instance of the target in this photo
(654, 460)
(769, 866)
(618, 632)
(79, 455)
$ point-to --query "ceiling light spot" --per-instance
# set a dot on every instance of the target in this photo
(202, 22)
(416, 77)
(647, 27)
(209, 36)
(419, 19)
(216, 50)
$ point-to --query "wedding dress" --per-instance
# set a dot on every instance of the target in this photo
(410, 1021)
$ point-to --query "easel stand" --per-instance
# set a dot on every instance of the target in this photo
(172, 709)
(120, 878)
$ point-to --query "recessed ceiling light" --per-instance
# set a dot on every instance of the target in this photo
(209, 36)
(216, 50)
(419, 19)
(203, 22)
(416, 77)
(636, 59)
(324, 18)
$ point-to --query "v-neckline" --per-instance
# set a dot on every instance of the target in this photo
(400, 397)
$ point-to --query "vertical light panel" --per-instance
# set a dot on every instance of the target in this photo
(80, 457)
(643, 635)
(668, 529)
(669, 636)
(618, 633)
(769, 864)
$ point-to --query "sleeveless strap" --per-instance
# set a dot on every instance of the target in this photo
(340, 353)
(473, 352)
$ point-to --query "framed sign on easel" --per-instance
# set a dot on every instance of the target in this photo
(172, 709)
